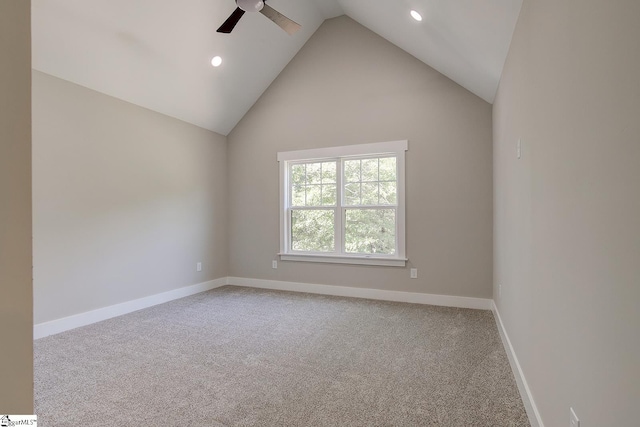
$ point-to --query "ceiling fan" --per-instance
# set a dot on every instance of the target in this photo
(258, 6)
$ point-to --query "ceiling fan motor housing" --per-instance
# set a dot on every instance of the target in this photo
(250, 5)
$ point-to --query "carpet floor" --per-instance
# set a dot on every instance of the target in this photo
(238, 356)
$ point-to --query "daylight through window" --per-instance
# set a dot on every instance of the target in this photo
(344, 204)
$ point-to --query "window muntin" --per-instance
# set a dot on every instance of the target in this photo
(312, 184)
(370, 181)
(344, 204)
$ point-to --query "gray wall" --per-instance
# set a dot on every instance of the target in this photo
(350, 86)
(567, 214)
(126, 201)
(16, 316)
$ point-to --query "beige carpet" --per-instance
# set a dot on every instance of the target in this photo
(246, 357)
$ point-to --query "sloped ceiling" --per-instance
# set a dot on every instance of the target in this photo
(156, 53)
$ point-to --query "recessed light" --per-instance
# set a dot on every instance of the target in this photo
(415, 15)
(216, 61)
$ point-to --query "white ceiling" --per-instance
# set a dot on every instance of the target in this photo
(156, 53)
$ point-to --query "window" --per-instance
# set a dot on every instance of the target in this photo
(343, 204)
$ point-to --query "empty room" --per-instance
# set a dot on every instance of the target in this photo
(320, 213)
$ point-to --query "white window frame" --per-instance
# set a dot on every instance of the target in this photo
(395, 148)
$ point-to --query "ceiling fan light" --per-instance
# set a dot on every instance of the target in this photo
(415, 15)
(250, 5)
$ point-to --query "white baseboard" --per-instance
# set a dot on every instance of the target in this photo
(75, 321)
(377, 294)
(527, 398)
(66, 323)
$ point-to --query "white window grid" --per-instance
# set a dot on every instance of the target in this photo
(340, 208)
(340, 154)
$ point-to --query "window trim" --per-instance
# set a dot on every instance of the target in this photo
(397, 148)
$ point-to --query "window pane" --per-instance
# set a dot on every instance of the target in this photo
(369, 170)
(352, 171)
(370, 231)
(352, 194)
(388, 193)
(328, 172)
(314, 197)
(314, 175)
(369, 193)
(297, 174)
(312, 230)
(297, 195)
(388, 169)
(329, 195)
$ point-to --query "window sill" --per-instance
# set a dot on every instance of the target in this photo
(342, 259)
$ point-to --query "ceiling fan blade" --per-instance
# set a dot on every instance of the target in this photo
(282, 21)
(231, 21)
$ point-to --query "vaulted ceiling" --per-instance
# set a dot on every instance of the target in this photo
(157, 53)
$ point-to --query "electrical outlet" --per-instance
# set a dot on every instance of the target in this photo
(199, 266)
(414, 273)
(274, 264)
(573, 418)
